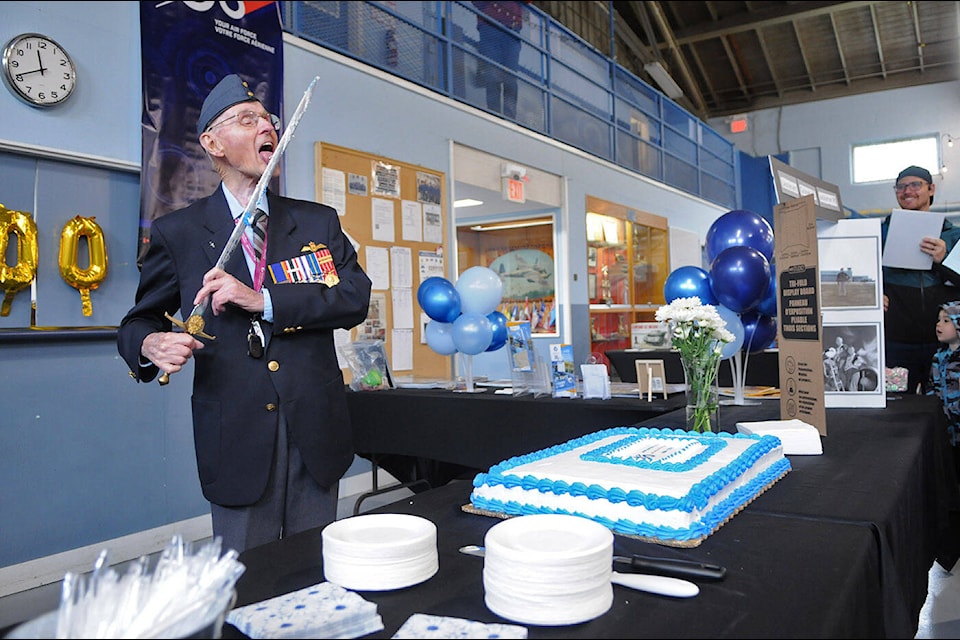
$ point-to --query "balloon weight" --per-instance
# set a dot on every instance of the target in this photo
(688, 282)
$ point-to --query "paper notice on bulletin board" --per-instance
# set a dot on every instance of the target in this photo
(334, 190)
(431, 264)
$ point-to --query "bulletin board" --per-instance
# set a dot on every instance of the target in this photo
(394, 213)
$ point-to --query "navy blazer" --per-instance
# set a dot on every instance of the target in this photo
(236, 398)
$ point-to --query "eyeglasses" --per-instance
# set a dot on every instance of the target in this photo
(912, 186)
(249, 119)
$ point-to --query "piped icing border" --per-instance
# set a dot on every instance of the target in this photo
(697, 498)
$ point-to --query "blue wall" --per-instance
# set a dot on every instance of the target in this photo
(86, 455)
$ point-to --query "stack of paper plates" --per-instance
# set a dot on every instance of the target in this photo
(379, 552)
(548, 569)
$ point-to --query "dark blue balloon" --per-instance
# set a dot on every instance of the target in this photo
(687, 282)
(499, 323)
(759, 331)
(739, 277)
(739, 228)
(768, 305)
(439, 299)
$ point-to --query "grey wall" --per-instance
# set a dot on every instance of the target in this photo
(834, 126)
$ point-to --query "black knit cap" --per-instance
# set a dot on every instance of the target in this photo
(916, 172)
(228, 92)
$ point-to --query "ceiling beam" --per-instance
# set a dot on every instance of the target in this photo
(836, 38)
(661, 21)
(763, 18)
(876, 37)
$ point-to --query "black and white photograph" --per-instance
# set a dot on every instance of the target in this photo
(851, 359)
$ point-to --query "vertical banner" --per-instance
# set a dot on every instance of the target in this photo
(186, 49)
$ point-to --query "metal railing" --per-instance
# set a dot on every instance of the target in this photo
(542, 77)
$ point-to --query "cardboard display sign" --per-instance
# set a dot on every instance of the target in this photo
(799, 325)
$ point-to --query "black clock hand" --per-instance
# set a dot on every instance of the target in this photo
(40, 60)
(26, 73)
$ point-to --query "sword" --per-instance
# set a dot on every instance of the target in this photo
(194, 324)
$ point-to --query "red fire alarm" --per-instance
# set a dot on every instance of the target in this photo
(738, 124)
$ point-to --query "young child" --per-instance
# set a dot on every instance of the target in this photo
(945, 372)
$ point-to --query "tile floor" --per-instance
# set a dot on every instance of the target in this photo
(939, 618)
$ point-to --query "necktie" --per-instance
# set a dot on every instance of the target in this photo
(259, 233)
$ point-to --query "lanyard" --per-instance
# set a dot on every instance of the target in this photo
(259, 267)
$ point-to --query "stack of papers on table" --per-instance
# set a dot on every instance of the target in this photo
(324, 610)
(798, 437)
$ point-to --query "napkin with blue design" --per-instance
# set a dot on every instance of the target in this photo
(421, 625)
(325, 610)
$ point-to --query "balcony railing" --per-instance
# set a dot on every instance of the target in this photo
(542, 77)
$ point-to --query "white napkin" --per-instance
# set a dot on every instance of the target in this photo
(798, 437)
(421, 625)
(324, 610)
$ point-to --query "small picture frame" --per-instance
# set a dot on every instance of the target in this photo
(591, 256)
(651, 378)
(592, 286)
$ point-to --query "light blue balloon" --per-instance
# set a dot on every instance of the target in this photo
(480, 291)
(472, 333)
(440, 337)
(734, 326)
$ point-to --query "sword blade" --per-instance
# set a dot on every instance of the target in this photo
(246, 219)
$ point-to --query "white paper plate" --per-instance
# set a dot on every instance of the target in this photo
(548, 538)
(379, 552)
(548, 569)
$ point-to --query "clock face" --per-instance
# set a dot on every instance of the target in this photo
(38, 71)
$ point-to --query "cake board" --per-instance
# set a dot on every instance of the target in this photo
(680, 544)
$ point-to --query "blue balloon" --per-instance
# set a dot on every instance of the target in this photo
(734, 326)
(480, 290)
(472, 333)
(498, 322)
(439, 299)
(759, 331)
(440, 338)
(739, 277)
(739, 228)
(768, 305)
(687, 282)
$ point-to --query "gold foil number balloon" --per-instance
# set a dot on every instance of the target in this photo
(90, 278)
(21, 274)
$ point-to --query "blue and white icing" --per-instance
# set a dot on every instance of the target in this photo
(686, 484)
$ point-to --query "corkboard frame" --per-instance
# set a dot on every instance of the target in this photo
(357, 221)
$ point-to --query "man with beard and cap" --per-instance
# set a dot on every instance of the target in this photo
(271, 425)
(912, 297)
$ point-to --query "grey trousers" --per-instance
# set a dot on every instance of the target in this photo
(292, 502)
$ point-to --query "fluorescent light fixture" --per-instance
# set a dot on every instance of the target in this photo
(516, 224)
(662, 78)
(466, 202)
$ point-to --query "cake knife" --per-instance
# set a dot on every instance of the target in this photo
(661, 585)
(673, 567)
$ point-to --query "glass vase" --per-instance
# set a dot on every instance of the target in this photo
(702, 392)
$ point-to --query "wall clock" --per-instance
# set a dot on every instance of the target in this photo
(38, 70)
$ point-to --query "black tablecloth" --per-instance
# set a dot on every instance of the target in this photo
(763, 367)
(438, 435)
(786, 577)
(839, 547)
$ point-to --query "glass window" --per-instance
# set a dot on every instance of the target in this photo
(882, 161)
